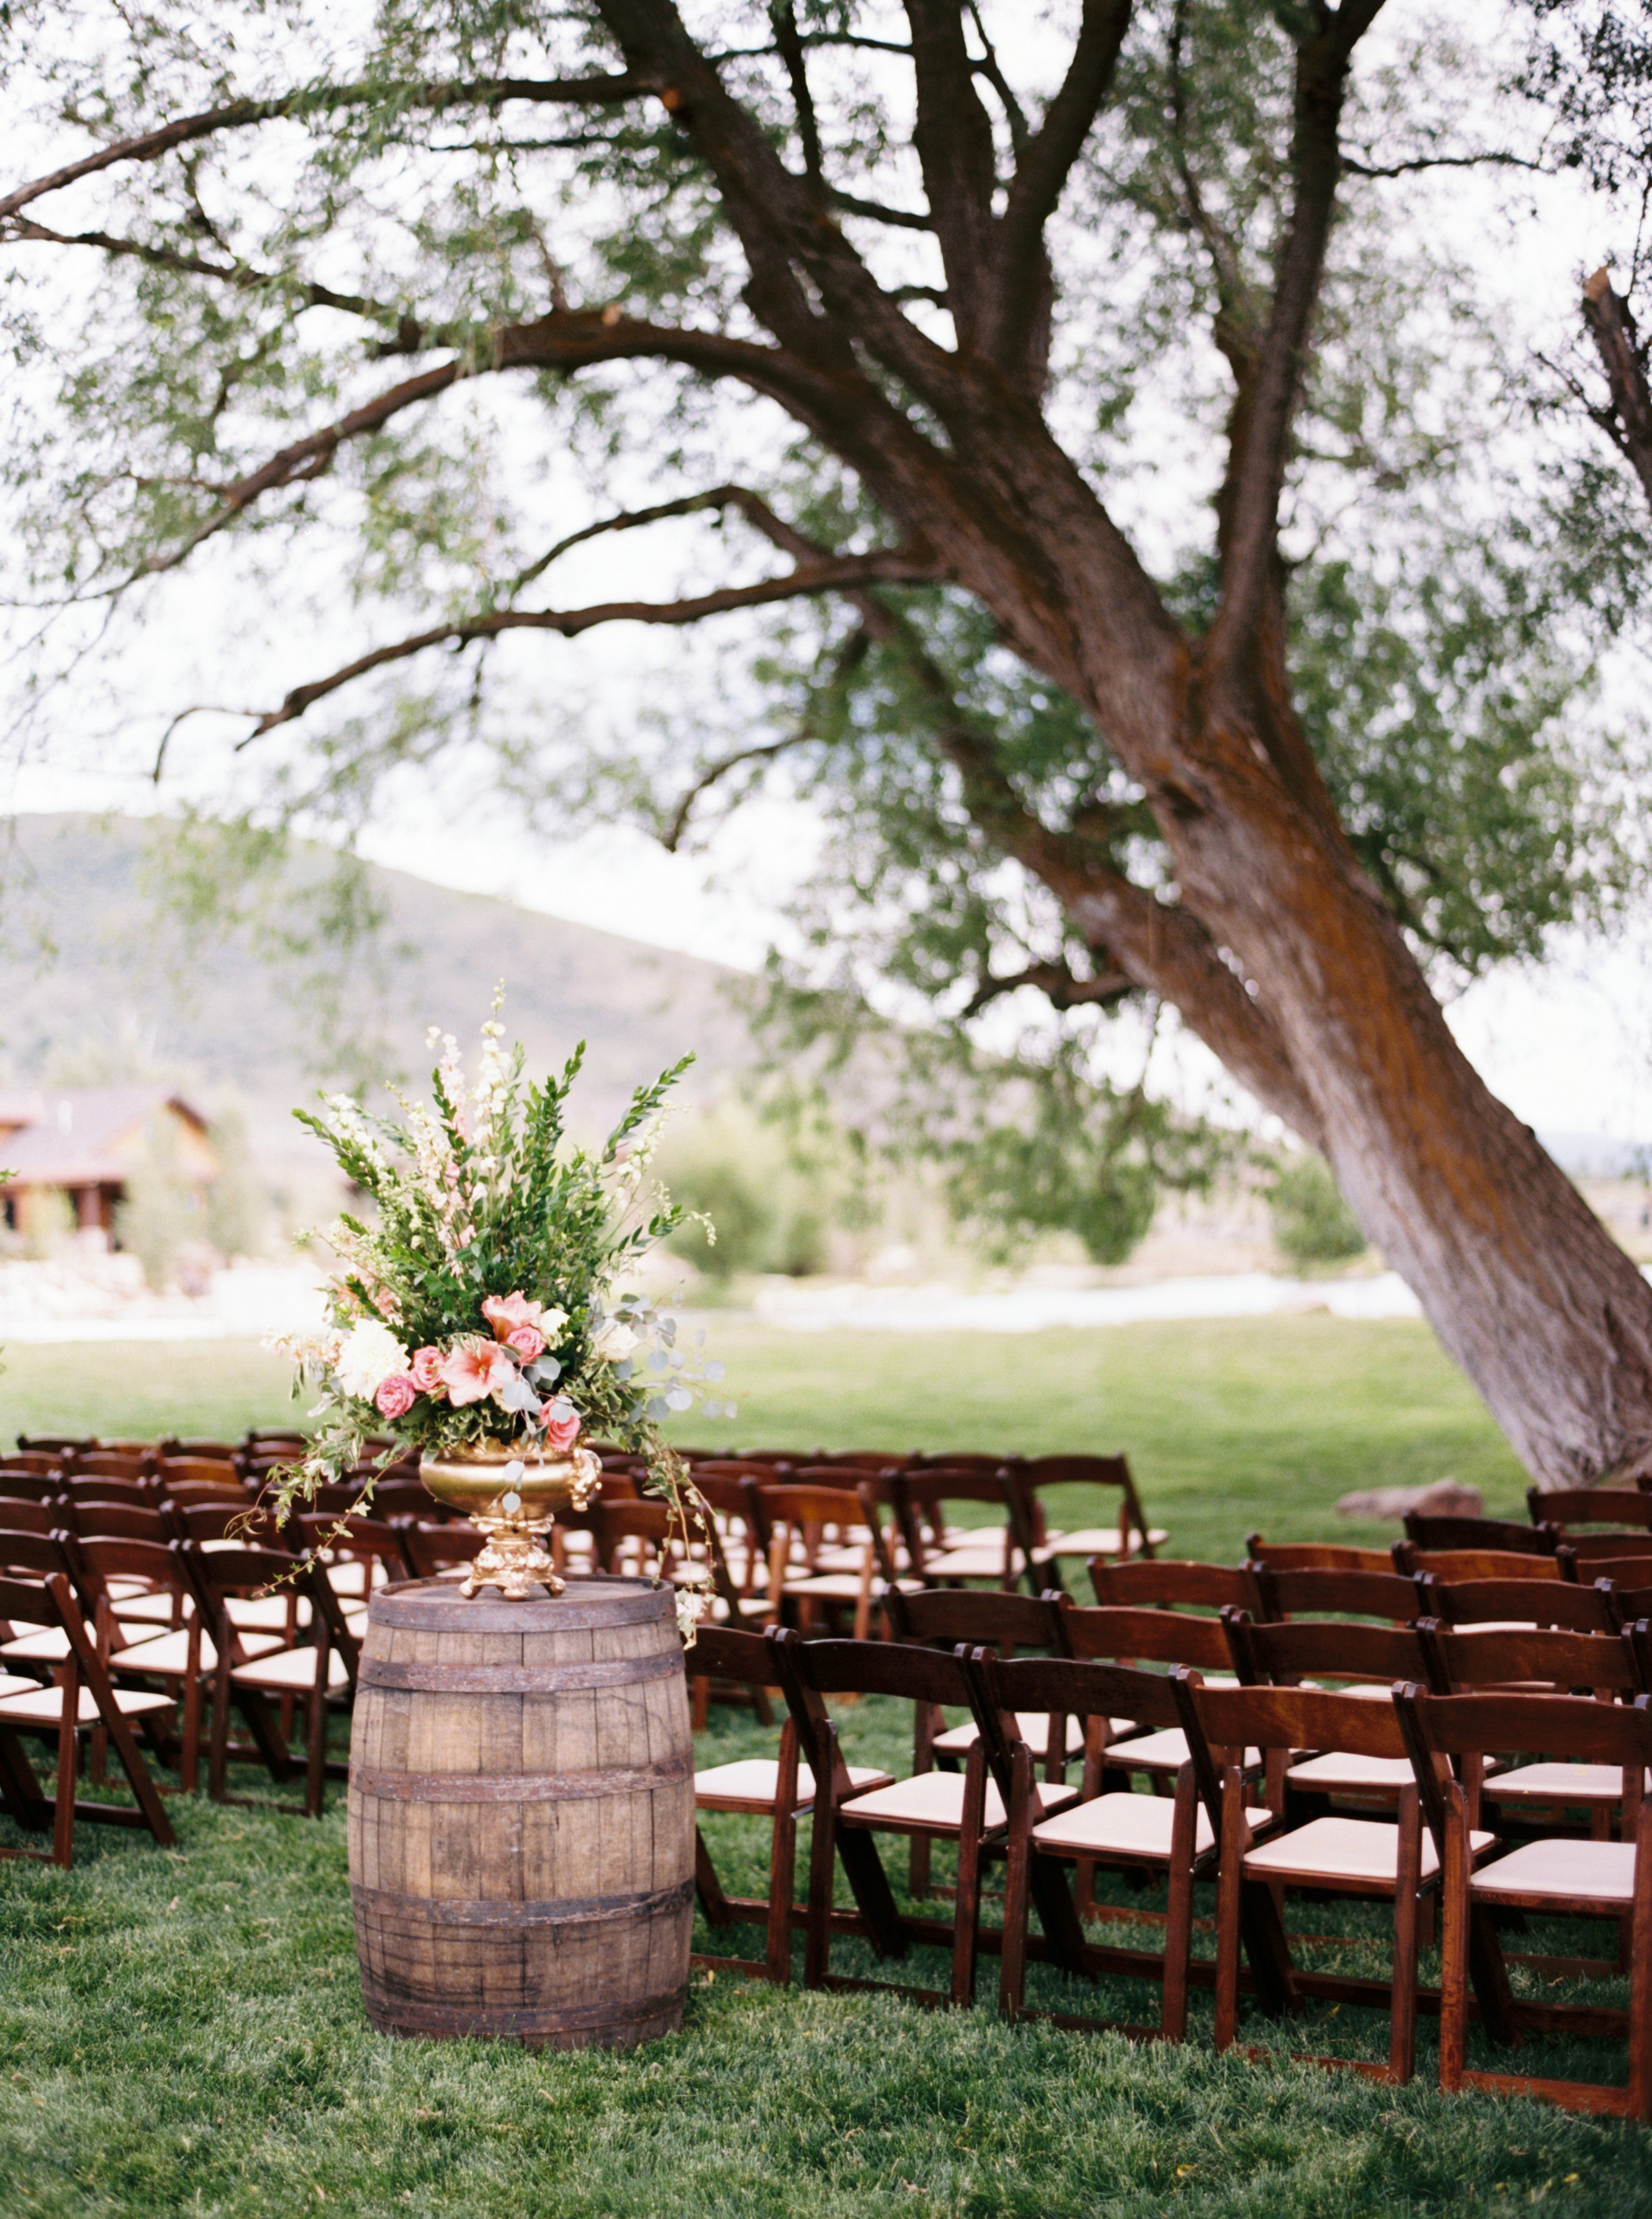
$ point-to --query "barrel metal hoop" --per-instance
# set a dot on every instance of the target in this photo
(588, 1601)
(521, 1787)
(520, 1679)
(380, 1903)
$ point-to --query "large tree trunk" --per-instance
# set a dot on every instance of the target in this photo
(1523, 1283)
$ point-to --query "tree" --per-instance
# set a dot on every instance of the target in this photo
(851, 216)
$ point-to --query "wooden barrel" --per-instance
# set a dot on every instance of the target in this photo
(522, 1814)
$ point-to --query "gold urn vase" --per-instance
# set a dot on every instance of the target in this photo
(512, 1493)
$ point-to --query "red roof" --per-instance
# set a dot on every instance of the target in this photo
(72, 1136)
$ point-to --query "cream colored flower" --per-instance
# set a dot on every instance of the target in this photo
(614, 1341)
(370, 1355)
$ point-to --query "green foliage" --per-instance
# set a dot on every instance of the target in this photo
(1312, 1224)
(237, 1205)
(47, 1220)
(161, 1210)
(766, 1211)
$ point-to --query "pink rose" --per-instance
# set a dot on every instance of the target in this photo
(563, 1423)
(505, 1313)
(426, 1370)
(470, 1375)
(395, 1396)
(528, 1342)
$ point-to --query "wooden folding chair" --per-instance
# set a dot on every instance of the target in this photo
(921, 1501)
(791, 1523)
(79, 1698)
(1516, 1603)
(1144, 1836)
(1453, 1565)
(1374, 1860)
(1627, 1508)
(30, 1486)
(38, 1463)
(780, 1789)
(322, 1666)
(947, 1618)
(1365, 1661)
(967, 1810)
(111, 1464)
(1032, 1477)
(351, 1550)
(435, 1547)
(1559, 1878)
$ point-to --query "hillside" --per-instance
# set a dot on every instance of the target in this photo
(95, 985)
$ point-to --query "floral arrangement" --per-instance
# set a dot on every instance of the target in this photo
(482, 1305)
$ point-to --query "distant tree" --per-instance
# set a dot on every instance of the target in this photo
(910, 302)
(161, 1214)
(1312, 1224)
(238, 1203)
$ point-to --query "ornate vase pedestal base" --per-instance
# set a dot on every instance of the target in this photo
(513, 1502)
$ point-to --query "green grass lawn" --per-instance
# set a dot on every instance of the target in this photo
(181, 2031)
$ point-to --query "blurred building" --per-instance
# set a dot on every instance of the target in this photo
(85, 1143)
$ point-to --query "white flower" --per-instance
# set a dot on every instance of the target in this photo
(614, 1341)
(370, 1355)
(549, 1322)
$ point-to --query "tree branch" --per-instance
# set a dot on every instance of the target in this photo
(1041, 174)
(237, 115)
(783, 16)
(1257, 479)
(1058, 982)
(953, 136)
(1629, 421)
(831, 575)
(1354, 169)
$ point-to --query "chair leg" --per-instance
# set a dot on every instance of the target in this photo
(63, 1827)
(709, 1889)
(218, 1751)
(1178, 1924)
(1402, 2010)
(315, 1773)
(1454, 1943)
(823, 1857)
(782, 1885)
(967, 1906)
(1229, 1880)
(1012, 1964)
(1640, 1975)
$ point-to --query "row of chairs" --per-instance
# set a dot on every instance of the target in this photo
(1273, 1785)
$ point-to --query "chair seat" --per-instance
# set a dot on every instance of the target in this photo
(1557, 1783)
(934, 1801)
(1034, 1727)
(1094, 1541)
(170, 1652)
(1130, 1825)
(351, 1577)
(142, 1609)
(752, 1783)
(290, 1671)
(266, 1612)
(44, 1706)
(1336, 1768)
(977, 1560)
(834, 1586)
(1344, 1849)
(1163, 1752)
(47, 1644)
(1589, 1872)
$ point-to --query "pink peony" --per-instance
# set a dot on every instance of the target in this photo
(470, 1375)
(426, 1370)
(395, 1396)
(528, 1342)
(506, 1313)
(563, 1423)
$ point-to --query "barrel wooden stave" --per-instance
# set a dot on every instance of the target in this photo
(522, 1856)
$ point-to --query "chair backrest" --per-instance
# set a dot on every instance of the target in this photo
(1631, 1568)
(1429, 1531)
(1164, 1583)
(1570, 1725)
(25, 1517)
(220, 1451)
(42, 1556)
(30, 1486)
(1526, 1602)
(844, 1476)
(48, 1602)
(277, 1439)
(402, 1498)
(919, 1499)
(369, 1539)
(940, 1618)
(199, 1472)
(1410, 1561)
(1328, 1592)
(238, 1571)
(1289, 1718)
(103, 1557)
(1590, 1505)
(863, 1460)
(189, 1493)
(1315, 1555)
(1321, 1649)
(1058, 1688)
(725, 1652)
(1586, 1546)
(1508, 1656)
(110, 1463)
(435, 1545)
(817, 1669)
(797, 1506)
(1034, 1474)
(985, 1462)
(202, 1522)
(727, 1497)
(117, 1521)
(652, 1523)
(55, 1447)
(1161, 1637)
(720, 1470)
(102, 1487)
